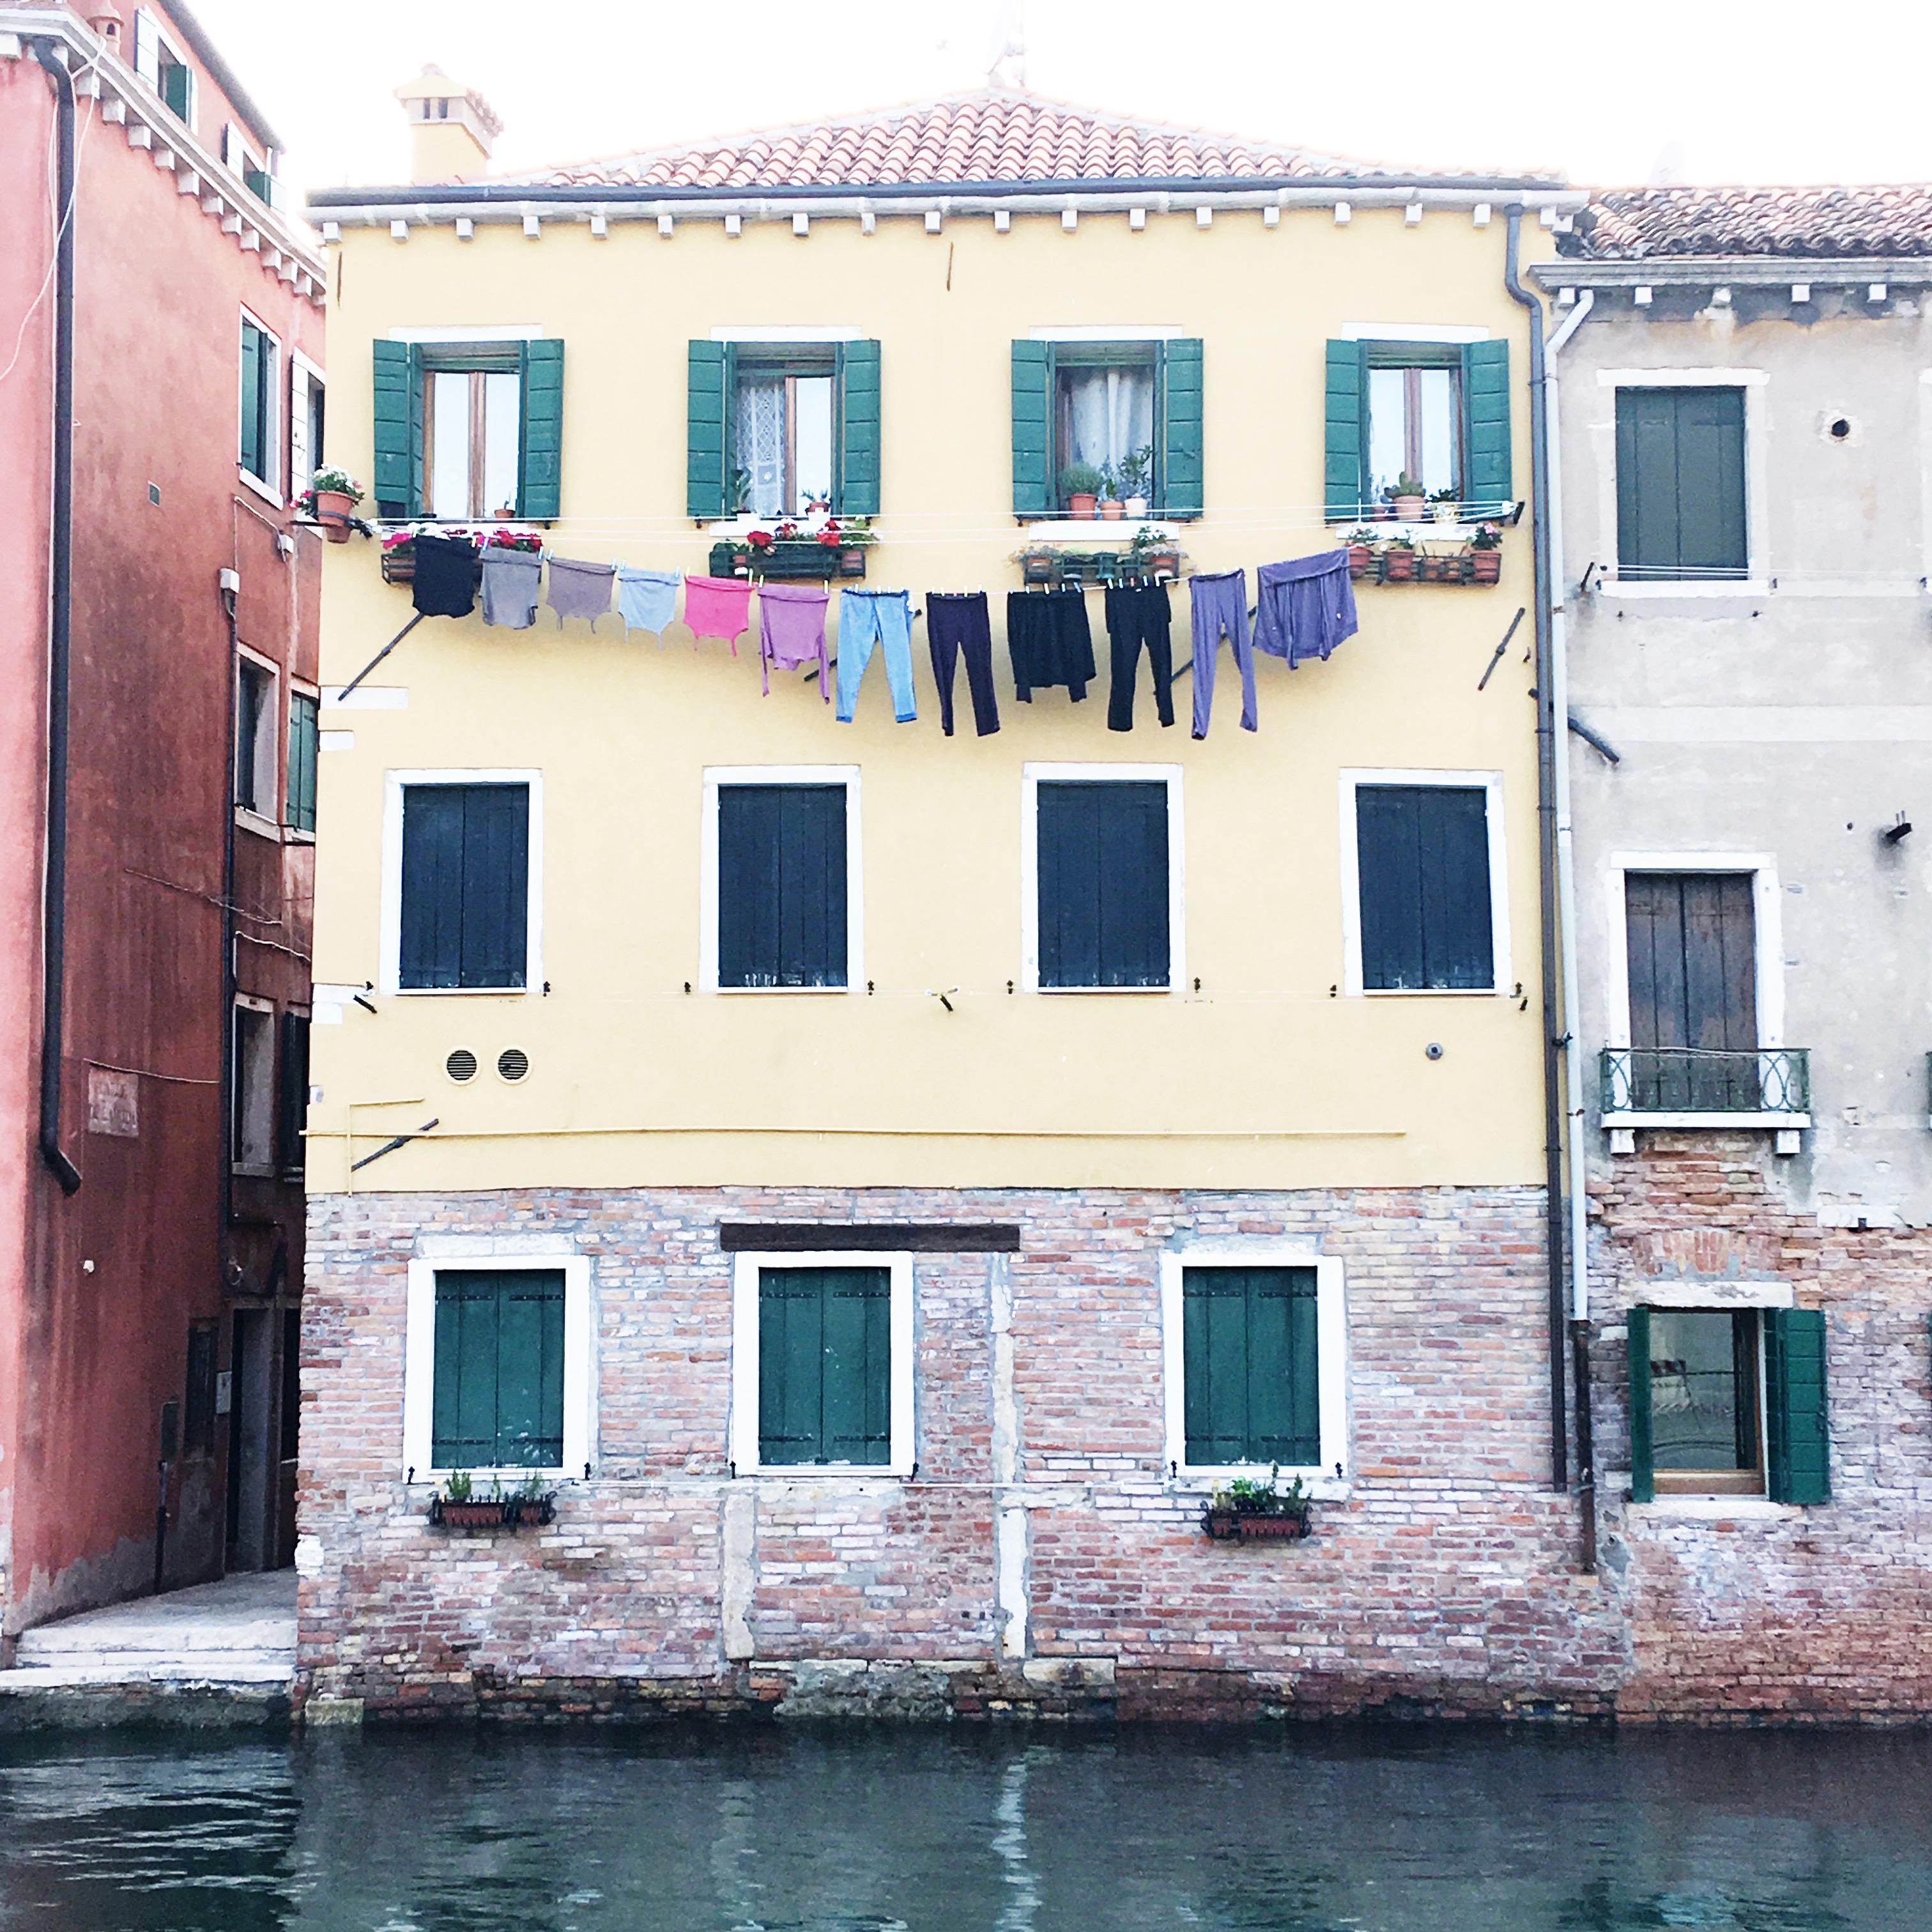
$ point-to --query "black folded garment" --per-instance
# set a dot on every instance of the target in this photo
(445, 584)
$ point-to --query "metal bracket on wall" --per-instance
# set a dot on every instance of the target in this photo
(390, 1147)
(1497, 659)
(380, 655)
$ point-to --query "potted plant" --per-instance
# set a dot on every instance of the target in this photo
(1040, 563)
(1361, 543)
(457, 1506)
(1431, 568)
(1111, 507)
(1080, 488)
(1249, 1511)
(530, 542)
(399, 557)
(1150, 553)
(532, 1504)
(1137, 481)
(331, 499)
(1405, 494)
(1485, 553)
(1399, 561)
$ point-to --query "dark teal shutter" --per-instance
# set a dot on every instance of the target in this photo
(1643, 1476)
(1213, 1340)
(292, 1115)
(398, 447)
(1422, 859)
(497, 1400)
(1101, 883)
(1249, 1363)
(304, 735)
(1181, 457)
(1345, 448)
(540, 455)
(859, 429)
(465, 886)
(175, 91)
(1796, 1440)
(1035, 491)
(707, 491)
(1486, 424)
(824, 1365)
(782, 886)
(1680, 483)
(463, 1399)
(250, 453)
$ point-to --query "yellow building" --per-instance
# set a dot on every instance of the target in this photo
(873, 1182)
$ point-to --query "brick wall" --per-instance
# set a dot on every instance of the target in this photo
(1772, 1613)
(1447, 1579)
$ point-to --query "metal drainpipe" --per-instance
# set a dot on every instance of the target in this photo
(225, 1130)
(60, 632)
(1553, 1044)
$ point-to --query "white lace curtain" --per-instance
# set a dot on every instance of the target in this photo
(761, 441)
(1110, 415)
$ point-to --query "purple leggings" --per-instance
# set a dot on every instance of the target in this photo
(1220, 603)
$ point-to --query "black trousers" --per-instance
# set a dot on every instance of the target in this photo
(957, 625)
(1138, 614)
(1047, 635)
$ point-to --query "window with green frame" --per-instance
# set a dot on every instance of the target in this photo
(257, 452)
(305, 740)
(1434, 413)
(1249, 1350)
(497, 1400)
(824, 1365)
(1110, 406)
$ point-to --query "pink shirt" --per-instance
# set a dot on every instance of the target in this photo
(718, 607)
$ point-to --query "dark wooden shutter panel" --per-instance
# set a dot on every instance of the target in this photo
(1101, 883)
(859, 429)
(529, 1369)
(430, 954)
(1183, 459)
(857, 1376)
(1345, 447)
(496, 884)
(782, 886)
(174, 91)
(1389, 868)
(1283, 1410)
(1214, 1367)
(707, 461)
(1423, 868)
(1690, 946)
(250, 451)
(1797, 1441)
(540, 480)
(292, 1115)
(1486, 417)
(398, 430)
(1035, 492)
(1643, 1476)
(463, 1398)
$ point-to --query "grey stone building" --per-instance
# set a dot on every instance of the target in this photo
(1741, 384)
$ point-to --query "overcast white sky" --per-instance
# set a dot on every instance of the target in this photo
(1619, 92)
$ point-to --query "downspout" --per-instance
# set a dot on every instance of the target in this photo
(225, 1129)
(1566, 901)
(60, 633)
(1546, 854)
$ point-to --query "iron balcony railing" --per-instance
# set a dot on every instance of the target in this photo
(1697, 1080)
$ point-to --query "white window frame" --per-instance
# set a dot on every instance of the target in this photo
(264, 816)
(1032, 777)
(252, 1003)
(1440, 334)
(266, 487)
(1755, 383)
(303, 378)
(716, 776)
(419, 1358)
(741, 1432)
(1491, 784)
(150, 44)
(1331, 1362)
(389, 969)
(1768, 938)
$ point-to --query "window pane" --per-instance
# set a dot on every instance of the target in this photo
(1703, 1390)
(502, 441)
(812, 455)
(1387, 432)
(254, 739)
(761, 441)
(1106, 414)
(449, 456)
(1439, 430)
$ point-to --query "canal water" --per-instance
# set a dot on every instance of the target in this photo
(1298, 1829)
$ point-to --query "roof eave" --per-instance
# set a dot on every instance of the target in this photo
(1570, 272)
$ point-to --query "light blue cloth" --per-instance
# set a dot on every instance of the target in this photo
(646, 599)
(869, 617)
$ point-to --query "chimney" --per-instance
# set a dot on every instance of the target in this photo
(451, 128)
(107, 24)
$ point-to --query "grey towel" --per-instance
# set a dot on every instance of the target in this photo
(510, 587)
(580, 590)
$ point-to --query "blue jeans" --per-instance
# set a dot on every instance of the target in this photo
(869, 617)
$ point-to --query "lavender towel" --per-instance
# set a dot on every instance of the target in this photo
(580, 590)
(510, 587)
(1306, 607)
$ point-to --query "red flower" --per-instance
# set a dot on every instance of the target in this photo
(829, 536)
(761, 539)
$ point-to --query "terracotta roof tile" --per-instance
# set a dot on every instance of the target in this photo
(994, 135)
(1645, 224)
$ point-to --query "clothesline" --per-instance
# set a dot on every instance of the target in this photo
(1304, 609)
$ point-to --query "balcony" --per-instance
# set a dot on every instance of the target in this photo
(1693, 1087)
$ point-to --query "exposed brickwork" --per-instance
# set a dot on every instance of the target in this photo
(1806, 1614)
(1447, 1582)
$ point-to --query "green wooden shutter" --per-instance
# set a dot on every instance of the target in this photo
(304, 721)
(398, 445)
(174, 90)
(1181, 451)
(1283, 1408)
(540, 460)
(791, 1352)
(463, 1403)
(707, 491)
(1486, 424)
(856, 1379)
(250, 451)
(1643, 1478)
(1796, 1441)
(858, 494)
(1034, 491)
(529, 1369)
(1345, 443)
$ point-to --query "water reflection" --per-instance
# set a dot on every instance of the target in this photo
(1298, 1830)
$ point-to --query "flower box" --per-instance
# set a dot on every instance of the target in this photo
(493, 1512)
(800, 558)
(399, 562)
(1229, 1526)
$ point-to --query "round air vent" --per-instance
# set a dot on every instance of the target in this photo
(512, 1064)
(460, 1065)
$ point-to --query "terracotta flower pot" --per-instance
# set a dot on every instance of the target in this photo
(1360, 559)
(333, 510)
(1258, 1528)
(1112, 509)
(1488, 565)
(1435, 569)
(1080, 507)
(1398, 565)
(1410, 509)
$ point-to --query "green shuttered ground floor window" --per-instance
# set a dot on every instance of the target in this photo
(1249, 1350)
(498, 1397)
(824, 1365)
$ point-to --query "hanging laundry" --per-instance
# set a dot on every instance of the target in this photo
(791, 631)
(718, 607)
(884, 618)
(956, 626)
(510, 586)
(1139, 614)
(1220, 605)
(445, 583)
(580, 590)
(1306, 607)
(1049, 641)
(646, 599)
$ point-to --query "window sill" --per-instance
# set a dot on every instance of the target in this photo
(1613, 1121)
(1157, 992)
(250, 819)
(456, 992)
(252, 1170)
(1428, 993)
(249, 481)
(1196, 1481)
(787, 992)
(1653, 588)
(293, 834)
(516, 1475)
(820, 1472)
(1056, 529)
(1713, 1509)
(743, 527)
(1421, 529)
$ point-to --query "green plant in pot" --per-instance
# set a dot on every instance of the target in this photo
(1361, 547)
(1110, 506)
(1080, 489)
(1405, 494)
(1486, 549)
(1137, 481)
(1248, 1508)
(1399, 561)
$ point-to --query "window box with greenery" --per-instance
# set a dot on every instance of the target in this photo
(465, 431)
(816, 552)
(330, 500)
(1125, 416)
(1408, 421)
(1248, 1511)
(399, 547)
(457, 1506)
